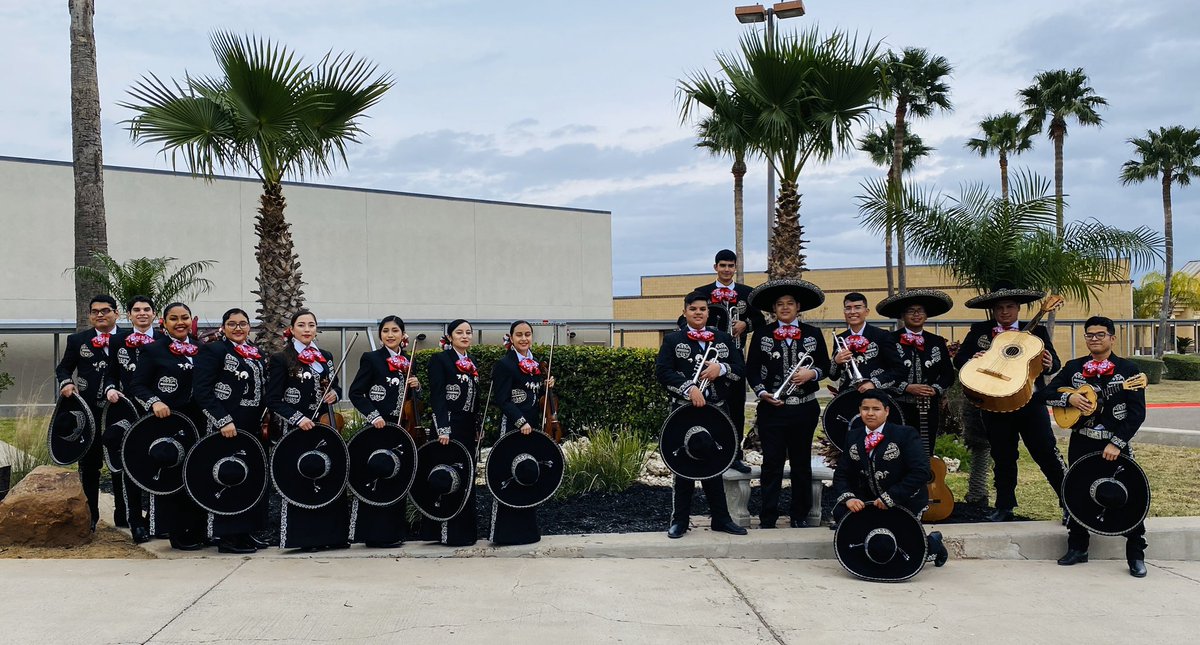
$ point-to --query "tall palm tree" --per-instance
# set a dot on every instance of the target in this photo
(266, 113)
(802, 94)
(878, 144)
(1172, 155)
(151, 277)
(1003, 135)
(91, 227)
(916, 82)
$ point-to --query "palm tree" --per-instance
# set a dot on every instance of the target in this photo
(915, 82)
(91, 227)
(802, 94)
(1058, 95)
(269, 114)
(1148, 295)
(1173, 155)
(1003, 135)
(878, 144)
(151, 277)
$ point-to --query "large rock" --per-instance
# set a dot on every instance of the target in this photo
(47, 508)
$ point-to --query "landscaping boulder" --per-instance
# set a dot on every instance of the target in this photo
(46, 509)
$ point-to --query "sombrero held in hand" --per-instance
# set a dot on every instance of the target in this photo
(698, 443)
(445, 475)
(881, 545)
(72, 430)
(226, 475)
(115, 421)
(524, 470)
(1106, 497)
(309, 467)
(154, 450)
(383, 464)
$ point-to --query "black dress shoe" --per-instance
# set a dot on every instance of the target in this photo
(93, 526)
(740, 466)
(799, 524)
(120, 521)
(1137, 568)
(1000, 515)
(235, 545)
(1073, 556)
(677, 530)
(186, 544)
(384, 545)
(767, 524)
(937, 549)
(257, 543)
(728, 526)
(141, 534)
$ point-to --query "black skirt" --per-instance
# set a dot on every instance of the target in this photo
(327, 526)
(377, 524)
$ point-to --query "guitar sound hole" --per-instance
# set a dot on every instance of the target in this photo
(1012, 351)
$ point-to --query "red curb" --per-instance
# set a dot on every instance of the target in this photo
(1173, 405)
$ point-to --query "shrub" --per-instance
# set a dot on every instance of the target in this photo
(6, 381)
(604, 461)
(1151, 367)
(1183, 343)
(27, 448)
(951, 447)
(1182, 368)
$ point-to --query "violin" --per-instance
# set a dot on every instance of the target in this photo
(412, 409)
(339, 420)
(548, 403)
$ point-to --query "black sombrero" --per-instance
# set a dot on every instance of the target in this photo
(154, 450)
(1106, 497)
(383, 464)
(72, 430)
(115, 421)
(524, 470)
(807, 294)
(445, 475)
(935, 303)
(309, 467)
(842, 412)
(226, 475)
(881, 545)
(698, 443)
(1004, 290)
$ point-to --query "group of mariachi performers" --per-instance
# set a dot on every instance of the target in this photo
(884, 417)
(195, 432)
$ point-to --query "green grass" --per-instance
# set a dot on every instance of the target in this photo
(1169, 391)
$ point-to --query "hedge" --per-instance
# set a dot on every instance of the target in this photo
(1182, 367)
(1151, 367)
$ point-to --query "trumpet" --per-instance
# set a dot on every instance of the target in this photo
(703, 383)
(856, 376)
(805, 362)
(733, 320)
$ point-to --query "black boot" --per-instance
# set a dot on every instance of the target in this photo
(677, 529)
(937, 549)
(1073, 556)
(1137, 568)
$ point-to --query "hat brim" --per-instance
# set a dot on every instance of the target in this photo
(551, 469)
(373, 490)
(807, 295)
(441, 508)
(674, 431)
(841, 413)
(295, 488)
(116, 419)
(207, 492)
(1077, 498)
(65, 451)
(135, 452)
(1020, 296)
(935, 303)
(852, 532)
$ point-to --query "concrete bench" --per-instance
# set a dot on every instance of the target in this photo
(737, 490)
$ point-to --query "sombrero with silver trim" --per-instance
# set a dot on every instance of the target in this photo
(116, 419)
(154, 450)
(226, 475)
(841, 413)
(881, 545)
(807, 295)
(935, 303)
(524, 470)
(383, 464)
(698, 443)
(1004, 290)
(1106, 497)
(445, 475)
(71, 431)
(309, 467)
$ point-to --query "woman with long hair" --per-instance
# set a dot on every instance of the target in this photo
(453, 389)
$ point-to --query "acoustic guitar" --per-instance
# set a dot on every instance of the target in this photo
(1002, 379)
(1070, 416)
(941, 498)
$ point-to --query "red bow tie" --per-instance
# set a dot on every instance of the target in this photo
(138, 339)
(1000, 329)
(873, 439)
(857, 344)
(914, 340)
(100, 341)
(703, 336)
(397, 363)
(466, 366)
(183, 349)
(724, 295)
(788, 332)
(530, 367)
(247, 351)
(1099, 368)
(311, 355)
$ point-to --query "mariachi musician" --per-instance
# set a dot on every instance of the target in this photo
(871, 349)
(129, 345)
(788, 358)
(379, 391)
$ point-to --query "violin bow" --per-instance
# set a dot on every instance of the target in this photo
(333, 375)
(546, 398)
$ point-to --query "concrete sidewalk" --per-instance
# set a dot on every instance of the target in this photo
(578, 601)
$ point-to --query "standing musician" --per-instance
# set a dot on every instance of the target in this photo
(730, 312)
(129, 345)
(1109, 427)
(678, 358)
(453, 389)
(162, 384)
(927, 371)
(229, 386)
(378, 392)
(518, 381)
(85, 371)
(1030, 423)
(296, 377)
(870, 347)
(786, 424)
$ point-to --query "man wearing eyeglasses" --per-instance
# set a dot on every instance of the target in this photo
(85, 371)
(870, 348)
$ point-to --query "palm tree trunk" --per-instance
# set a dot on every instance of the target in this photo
(91, 228)
(739, 175)
(896, 189)
(887, 259)
(1169, 256)
(280, 285)
(1058, 132)
(1003, 175)
(787, 256)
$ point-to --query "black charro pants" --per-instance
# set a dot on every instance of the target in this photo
(1078, 537)
(786, 433)
(1030, 424)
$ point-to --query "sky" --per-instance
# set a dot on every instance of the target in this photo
(574, 104)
